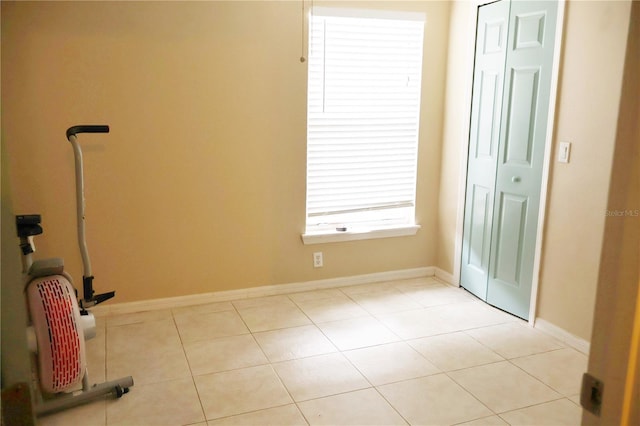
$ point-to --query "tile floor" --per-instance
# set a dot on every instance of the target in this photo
(394, 353)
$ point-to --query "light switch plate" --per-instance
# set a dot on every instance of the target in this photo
(564, 151)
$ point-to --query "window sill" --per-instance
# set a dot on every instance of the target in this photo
(337, 236)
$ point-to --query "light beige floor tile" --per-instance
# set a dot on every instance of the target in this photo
(150, 352)
(149, 346)
(273, 317)
(261, 302)
(514, 340)
(363, 407)
(173, 402)
(416, 283)
(209, 326)
(293, 343)
(485, 421)
(437, 294)
(433, 400)
(385, 301)
(316, 295)
(137, 317)
(555, 413)
(474, 314)
(287, 415)
(357, 333)
(414, 287)
(101, 320)
(240, 391)
(415, 324)
(560, 369)
(141, 337)
(319, 376)
(575, 399)
(503, 387)
(97, 356)
(367, 288)
(91, 414)
(204, 308)
(454, 351)
(331, 308)
(149, 366)
(389, 363)
(223, 353)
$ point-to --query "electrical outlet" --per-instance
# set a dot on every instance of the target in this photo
(317, 260)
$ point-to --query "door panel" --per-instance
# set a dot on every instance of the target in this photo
(511, 217)
(529, 30)
(488, 83)
(523, 97)
(486, 140)
(529, 61)
(495, 34)
(479, 238)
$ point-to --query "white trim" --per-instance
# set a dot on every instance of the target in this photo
(336, 237)
(446, 277)
(546, 165)
(363, 111)
(368, 13)
(563, 335)
(270, 290)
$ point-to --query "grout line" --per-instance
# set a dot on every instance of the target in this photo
(536, 378)
(269, 363)
(535, 405)
(275, 372)
(302, 413)
(184, 352)
(481, 418)
(392, 406)
(249, 412)
(469, 392)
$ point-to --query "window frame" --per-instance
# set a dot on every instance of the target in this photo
(317, 234)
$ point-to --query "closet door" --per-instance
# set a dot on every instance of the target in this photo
(511, 86)
(523, 130)
(488, 82)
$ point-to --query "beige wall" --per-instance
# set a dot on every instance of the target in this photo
(200, 186)
(455, 132)
(587, 108)
(587, 114)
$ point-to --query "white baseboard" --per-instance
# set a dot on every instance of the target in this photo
(445, 276)
(271, 290)
(563, 335)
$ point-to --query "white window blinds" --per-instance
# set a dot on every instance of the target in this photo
(362, 119)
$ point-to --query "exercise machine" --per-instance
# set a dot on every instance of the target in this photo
(58, 323)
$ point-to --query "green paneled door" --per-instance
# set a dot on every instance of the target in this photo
(512, 82)
(484, 136)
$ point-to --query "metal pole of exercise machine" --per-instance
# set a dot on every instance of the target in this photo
(88, 297)
(80, 206)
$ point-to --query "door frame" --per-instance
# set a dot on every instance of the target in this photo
(548, 153)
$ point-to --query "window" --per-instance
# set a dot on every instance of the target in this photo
(363, 110)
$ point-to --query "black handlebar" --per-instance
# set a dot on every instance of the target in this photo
(90, 128)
